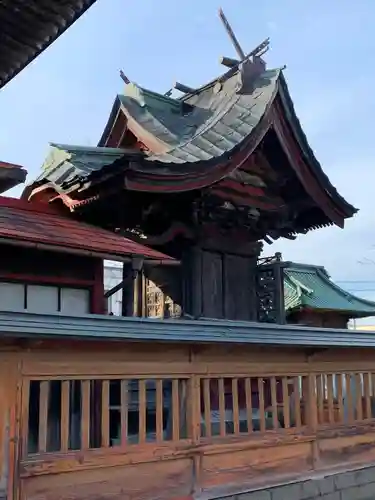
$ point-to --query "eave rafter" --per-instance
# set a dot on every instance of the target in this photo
(28, 28)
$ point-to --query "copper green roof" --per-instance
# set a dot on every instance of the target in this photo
(307, 286)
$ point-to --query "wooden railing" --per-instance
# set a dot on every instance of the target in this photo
(83, 414)
(212, 420)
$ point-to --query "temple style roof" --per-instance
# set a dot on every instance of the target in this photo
(11, 175)
(28, 28)
(310, 287)
(41, 226)
(237, 138)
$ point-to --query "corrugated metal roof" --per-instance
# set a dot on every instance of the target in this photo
(310, 286)
(29, 27)
(93, 327)
(36, 223)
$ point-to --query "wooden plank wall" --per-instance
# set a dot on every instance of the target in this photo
(237, 416)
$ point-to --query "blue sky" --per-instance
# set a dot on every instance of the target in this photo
(66, 94)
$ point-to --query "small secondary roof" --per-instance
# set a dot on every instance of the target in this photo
(307, 286)
(34, 224)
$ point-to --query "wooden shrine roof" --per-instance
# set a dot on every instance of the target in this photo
(42, 226)
(213, 136)
(27, 28)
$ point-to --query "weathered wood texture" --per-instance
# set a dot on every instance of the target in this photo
(223, 285)
(161, 422)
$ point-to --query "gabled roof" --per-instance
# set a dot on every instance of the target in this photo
(41, 226)
(210, 138)
(307, 286)
(28, 28)
(11, 175)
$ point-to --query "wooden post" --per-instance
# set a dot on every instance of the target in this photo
(127, 291)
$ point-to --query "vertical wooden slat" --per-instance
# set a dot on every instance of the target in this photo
(349, 397)
(275, 420)
(320, 396)
(312, 408)
(297, 401)
(175, 410)
(373, 384)
(340, 396)
(142, 410)
(124, 412)
(159, 411)
(43, 415)
(358, 393)
(65, 412)
(331, 418)
(194, 415)
(221, 406)
(236, 413)
(182, 407)
(105, 413)
(249, 405)
(85, 414)
(207, 406)
(262, 416)
(25, 402)
(286, 402)
(366, 390)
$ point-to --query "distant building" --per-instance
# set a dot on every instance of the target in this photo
(313, 299)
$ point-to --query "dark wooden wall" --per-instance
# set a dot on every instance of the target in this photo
(219, 284)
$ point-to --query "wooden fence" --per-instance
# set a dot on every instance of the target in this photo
(143, 421)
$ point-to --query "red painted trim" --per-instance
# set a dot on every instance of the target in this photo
(47, 280)
(97, 296)
(244, 200)
(252, 191)
(305, 175)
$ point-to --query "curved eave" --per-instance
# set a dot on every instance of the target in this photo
(344, 207)
(28, 28)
